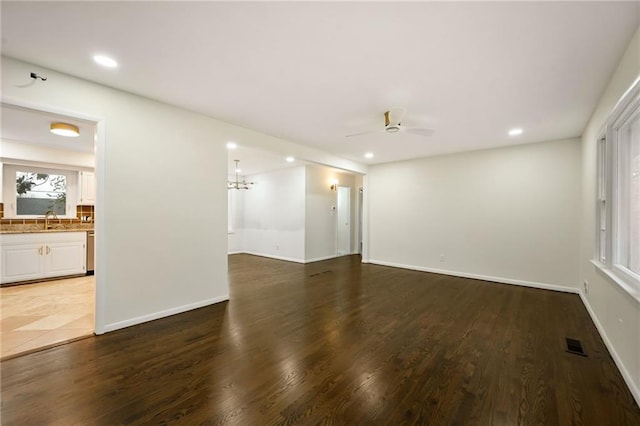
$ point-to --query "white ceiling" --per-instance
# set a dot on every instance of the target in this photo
(253, 161)
(313, 72)
(32, 127)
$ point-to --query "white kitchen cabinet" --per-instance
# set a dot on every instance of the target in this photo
(87, 189)
(33, 256)
(21, 261)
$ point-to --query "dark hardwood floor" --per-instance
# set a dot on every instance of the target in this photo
(334, 342)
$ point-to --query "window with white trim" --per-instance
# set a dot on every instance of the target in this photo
(603, 227)
(30, 192)
(618, 197)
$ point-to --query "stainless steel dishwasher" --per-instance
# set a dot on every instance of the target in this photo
(90, 252)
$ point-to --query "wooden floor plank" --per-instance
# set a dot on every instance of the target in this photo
(334, 342)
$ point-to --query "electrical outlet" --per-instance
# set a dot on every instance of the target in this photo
(586, 287)
(277, 247)
(442, 258)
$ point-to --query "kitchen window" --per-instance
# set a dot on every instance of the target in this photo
(618, 198)
(30, 192)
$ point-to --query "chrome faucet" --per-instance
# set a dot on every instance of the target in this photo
(46, 218)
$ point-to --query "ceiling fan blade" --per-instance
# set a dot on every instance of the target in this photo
(417, 131)
(363, 133)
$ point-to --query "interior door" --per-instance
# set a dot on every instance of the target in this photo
(344, 220)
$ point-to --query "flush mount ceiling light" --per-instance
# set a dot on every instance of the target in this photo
(368, 155)
(515, 132)
(105, 61)
(290, 159)
(231, 145)
(65, 129)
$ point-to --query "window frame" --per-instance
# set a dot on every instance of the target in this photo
(609, 201)
(10, 196)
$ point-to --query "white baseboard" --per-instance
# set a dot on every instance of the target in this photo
(533, 284)
(235, 252)
(271, 256)
(635, 391)
(288, 259)
(157, 315)
(318, 259)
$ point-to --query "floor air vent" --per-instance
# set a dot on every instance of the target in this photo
(575, 347)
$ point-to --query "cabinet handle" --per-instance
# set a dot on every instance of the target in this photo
(48, 250)
(40, 250)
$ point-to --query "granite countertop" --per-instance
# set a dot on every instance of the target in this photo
(32, 229)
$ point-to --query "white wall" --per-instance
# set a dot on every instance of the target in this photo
(20, 154)
(506, 214)
(615, 312)
(274, 214)
(290, 207)
(153, 260)
(320, 220)
(13, 151)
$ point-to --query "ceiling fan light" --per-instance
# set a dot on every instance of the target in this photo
(65, 129)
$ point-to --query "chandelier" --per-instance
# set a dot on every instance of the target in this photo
(238, 184)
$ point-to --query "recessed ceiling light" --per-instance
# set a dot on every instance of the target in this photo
(515, 132)
(238, 170)
(368, 155)
(105, 61)
(65, 129)
(231, 145)
(290, 159)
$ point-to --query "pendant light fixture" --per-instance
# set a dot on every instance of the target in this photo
(65, 129)
(238, 184)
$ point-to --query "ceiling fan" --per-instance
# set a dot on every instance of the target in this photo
(393, 124)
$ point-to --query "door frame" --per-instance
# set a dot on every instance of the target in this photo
(101, 235)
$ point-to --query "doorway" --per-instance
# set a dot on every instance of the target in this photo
(48, 291)
(343, 221)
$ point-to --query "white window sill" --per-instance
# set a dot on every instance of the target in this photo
(632, 292)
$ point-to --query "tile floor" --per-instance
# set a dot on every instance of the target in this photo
(41, 315)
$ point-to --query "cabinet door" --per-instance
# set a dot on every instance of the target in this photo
(87, 189)
(22, 261)
(64, 258)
